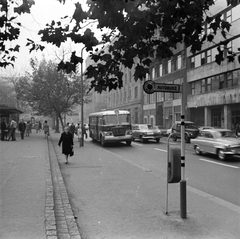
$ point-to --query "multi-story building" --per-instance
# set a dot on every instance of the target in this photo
(211, 92)
(214, 90)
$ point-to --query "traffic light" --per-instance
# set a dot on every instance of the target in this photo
(174, 164)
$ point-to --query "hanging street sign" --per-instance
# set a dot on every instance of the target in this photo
(150, 87)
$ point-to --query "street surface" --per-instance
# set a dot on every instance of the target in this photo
(119, 192)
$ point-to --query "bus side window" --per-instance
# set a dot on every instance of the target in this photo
(100, 121)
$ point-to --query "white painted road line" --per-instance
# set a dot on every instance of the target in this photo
(226, 165)
(163, 150)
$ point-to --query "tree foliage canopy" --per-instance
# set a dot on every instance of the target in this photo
(142, 29)
(49, 91)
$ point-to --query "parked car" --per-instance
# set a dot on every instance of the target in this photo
(221, 142)
(205, 127)
(191, 131)
(145, 132)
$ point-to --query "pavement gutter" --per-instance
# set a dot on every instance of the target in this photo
(59, 219)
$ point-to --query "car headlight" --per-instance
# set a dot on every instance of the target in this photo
(128, 132)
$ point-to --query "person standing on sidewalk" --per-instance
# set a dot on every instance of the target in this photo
(3, 129)
(66, 140)
(13, 126)
(22, 128)
(46, 129)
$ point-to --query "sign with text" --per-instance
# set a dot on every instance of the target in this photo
(150, 87)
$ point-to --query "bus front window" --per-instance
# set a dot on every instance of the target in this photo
(112, 119)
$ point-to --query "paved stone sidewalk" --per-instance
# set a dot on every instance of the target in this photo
(34, 202)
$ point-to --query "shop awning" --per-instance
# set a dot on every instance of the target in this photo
(8, 110)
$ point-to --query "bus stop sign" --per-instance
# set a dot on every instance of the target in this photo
(150, 87)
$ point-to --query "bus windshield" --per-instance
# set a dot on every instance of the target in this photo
(123, 119)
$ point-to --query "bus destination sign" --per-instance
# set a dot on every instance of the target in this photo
(150, 87)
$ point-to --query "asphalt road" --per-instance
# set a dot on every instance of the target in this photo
(119, 192)
(205, 172)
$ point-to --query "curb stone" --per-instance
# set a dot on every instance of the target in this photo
(59, 219)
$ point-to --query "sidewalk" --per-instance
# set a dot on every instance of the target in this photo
(23, 187)
(208, 217)
(33, 199)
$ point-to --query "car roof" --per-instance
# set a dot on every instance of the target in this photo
(215, 130)
(179, 122)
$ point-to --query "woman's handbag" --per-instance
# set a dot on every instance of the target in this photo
(72, 153)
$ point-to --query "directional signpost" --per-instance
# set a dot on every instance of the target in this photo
(150, 87)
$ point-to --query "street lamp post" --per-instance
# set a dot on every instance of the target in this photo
(82, 126)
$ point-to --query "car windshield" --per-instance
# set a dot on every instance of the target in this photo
(224, 134)
(123, 119)
(190, 126)
(144, 127)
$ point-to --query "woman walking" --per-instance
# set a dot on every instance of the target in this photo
(67, 143)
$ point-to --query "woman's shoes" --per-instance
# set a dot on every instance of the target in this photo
(66, 163)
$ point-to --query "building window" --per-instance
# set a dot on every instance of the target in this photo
(235, 13)
(236, 77)
(198, 87)
(169, 67)
(129, 94)
(203, 59)
(125, 78)
(203, 85)
(130, 75)
(193, 88)
(192, 62)
(179, 62)
(215, 82)
(209, 56)
(230, 79)
(229, 16)
(221, 82)
(160, 70)
(209, 84)
(136, 92)
(153, 73)
(198, 60)
(160, 96)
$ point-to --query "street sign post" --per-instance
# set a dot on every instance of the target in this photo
(150, 87)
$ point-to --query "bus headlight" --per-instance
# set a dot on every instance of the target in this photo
(107, 133)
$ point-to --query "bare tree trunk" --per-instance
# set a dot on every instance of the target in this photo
(61, 120)
(57, 125)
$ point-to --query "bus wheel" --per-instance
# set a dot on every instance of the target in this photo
(102, 141)
(128, 142)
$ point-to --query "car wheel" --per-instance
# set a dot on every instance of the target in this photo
(157, 140)
(221, 155)
(102, 141)
(197, 150)
(128, 142)
(174, 137)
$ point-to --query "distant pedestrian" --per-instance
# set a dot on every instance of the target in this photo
(66, 140)
(22, 128)
(46, 129)
(12, 134)
(72, 129)
(85, 131)
(28, 128)
(40, 126)
(237, 129)
(3, 129)
(37, 127)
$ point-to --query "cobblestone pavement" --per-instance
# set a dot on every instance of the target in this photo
(60, 222)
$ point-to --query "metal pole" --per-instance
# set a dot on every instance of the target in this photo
(166, 204)
(183, 184)
(82, 139)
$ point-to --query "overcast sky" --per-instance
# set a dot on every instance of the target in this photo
(44, 11)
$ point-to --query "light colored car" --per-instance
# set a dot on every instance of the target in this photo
(221, 142)
(145, 132)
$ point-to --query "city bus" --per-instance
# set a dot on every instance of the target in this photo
(111, 126)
